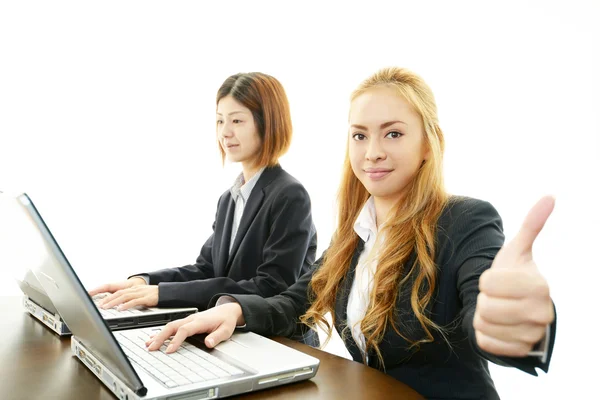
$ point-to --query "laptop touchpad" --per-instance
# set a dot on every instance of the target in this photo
(234, 349)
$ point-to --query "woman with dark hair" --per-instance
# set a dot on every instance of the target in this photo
(263, 236)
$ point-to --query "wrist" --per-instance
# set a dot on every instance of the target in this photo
(238, 313)
(137, 280)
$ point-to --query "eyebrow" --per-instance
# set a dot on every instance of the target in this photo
(382, 126)
(231, 113)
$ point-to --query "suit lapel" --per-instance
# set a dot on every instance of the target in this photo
(255, 201)
(342, 305)
(410, 324)
(223, 238)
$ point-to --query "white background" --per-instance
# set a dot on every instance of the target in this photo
(107, 121)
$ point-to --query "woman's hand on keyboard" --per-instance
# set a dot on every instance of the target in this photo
(138, 295)
(218, 322)
(116, 286)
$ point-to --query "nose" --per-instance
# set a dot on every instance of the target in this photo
(225, 130)
(375, 150)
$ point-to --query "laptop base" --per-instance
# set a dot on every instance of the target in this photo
(114, 384)
(52, 321)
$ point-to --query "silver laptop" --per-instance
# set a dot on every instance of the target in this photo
(38, 304)
(244, 363)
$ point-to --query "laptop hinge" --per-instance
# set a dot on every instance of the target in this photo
(141, 391)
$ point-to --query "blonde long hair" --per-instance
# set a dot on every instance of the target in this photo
(411, 228)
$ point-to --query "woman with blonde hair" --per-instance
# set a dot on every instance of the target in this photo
(417, 281)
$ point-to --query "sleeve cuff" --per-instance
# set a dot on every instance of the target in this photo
(145, 277)
(224, 300)
(541, 349)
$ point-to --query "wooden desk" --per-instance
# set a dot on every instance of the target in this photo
(35, 363)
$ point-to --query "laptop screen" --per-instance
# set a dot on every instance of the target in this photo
(75, 306)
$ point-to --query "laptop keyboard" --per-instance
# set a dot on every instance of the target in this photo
(187, 365)
(113, 312)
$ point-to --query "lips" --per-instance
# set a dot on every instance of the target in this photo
(377, 173)
(229, 145)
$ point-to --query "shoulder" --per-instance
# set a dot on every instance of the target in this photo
(460, 210)
(464, 216)
(468, 228)
(224, 199)
(285, 187)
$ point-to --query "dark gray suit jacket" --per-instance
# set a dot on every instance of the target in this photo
(469, 235)
(275, 242)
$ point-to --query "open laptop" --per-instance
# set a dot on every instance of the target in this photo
(38, 304)
(244, 363)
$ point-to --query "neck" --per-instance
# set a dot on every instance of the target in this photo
(249, 170)
(383, 206)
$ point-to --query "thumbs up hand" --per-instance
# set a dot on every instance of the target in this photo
(514, 305)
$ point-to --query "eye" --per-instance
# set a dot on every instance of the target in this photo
(394, 135)
(237, 121)
(219, 121)
(358, 136)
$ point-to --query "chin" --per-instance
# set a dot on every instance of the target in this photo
(234, 158)
(374, 189)
(378, 193)
(379, 190)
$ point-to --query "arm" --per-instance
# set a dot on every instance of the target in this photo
(142, 289)
(291, 243)
(201, 269)
(277, 315)
(481, 237)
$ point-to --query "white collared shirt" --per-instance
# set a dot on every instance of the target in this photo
(240, 192)
(358, 300)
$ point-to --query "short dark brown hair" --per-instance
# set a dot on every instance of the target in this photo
(266, 99)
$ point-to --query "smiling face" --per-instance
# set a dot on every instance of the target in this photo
(237, 131)
(387, 145)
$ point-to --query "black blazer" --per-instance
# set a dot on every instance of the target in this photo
(275, 243)
(469, 236)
